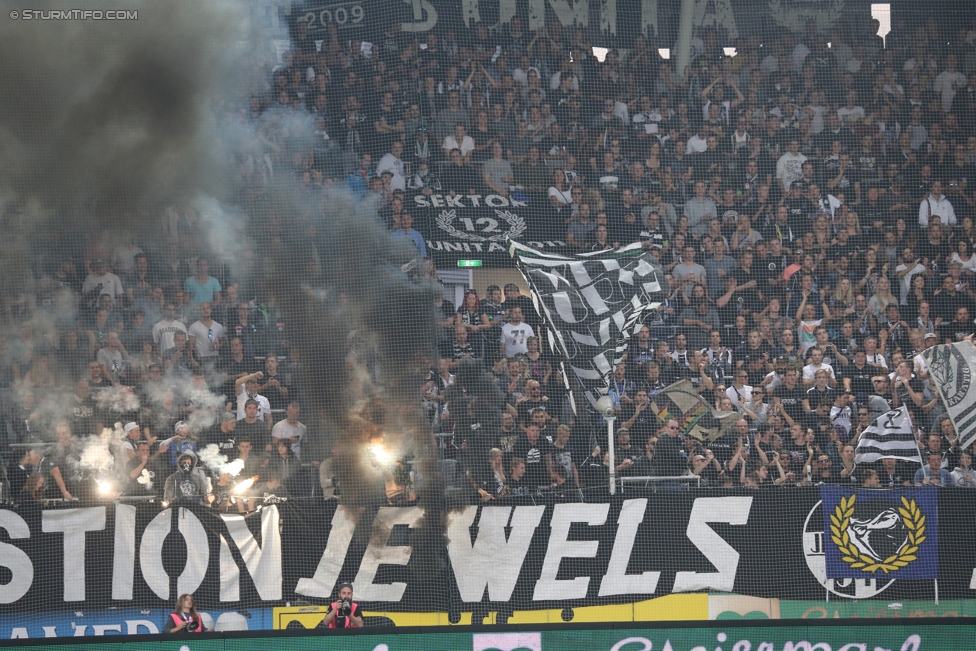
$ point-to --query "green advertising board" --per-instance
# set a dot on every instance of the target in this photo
(914, 635)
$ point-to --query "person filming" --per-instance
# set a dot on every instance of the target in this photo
(184, 618)
(343, 613)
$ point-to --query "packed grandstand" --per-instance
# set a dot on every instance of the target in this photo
(803, 195)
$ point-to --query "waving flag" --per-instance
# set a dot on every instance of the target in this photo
(591, 304)
(951, 367)
(891, 436)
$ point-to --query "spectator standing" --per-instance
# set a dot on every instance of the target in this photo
(291, 430)
(247, 391)
(102, 282)
(205, 336)
(202, 287)
(515, 334)
(163, 332)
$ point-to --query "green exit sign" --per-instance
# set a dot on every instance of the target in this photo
(469, 263)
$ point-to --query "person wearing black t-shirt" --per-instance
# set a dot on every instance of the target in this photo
(236, 365)
(530, 402)
(223, 434)
(957, 329)
(933, 248)
(857, 376)
(788, 397)
(250, 428)
(625, 454)
(638, 419)
(536, 452)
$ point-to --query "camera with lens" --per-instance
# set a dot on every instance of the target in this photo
(345, 608)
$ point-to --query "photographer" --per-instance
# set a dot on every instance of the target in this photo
(343, 613)
(184, 618)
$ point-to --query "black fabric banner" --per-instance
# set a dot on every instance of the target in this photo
(527, 554)
(475, 227)
(608, 22)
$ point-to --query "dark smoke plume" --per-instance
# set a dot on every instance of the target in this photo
(102, 121)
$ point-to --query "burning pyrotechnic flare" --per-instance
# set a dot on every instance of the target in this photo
(244, 485)
(379, 452)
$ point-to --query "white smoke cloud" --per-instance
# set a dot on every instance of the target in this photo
(218, 462)
(97, 456)
(117, 399)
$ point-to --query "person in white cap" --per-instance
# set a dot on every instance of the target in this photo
(180, 443)
(130, 444)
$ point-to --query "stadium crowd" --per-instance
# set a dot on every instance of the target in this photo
(809, 202)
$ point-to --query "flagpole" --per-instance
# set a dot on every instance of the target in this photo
(606, 408)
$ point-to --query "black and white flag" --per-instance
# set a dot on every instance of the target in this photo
(951, 368)
(891, 436)
(591, 303)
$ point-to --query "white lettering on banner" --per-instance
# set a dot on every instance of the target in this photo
(263, 562)
(378, 553)
(230, 574)
(73, 523)
(730, 510)
(421, 24)
(491, 561)
(14, 559)
(151, 553)
(548, 587)
(124, 560)
(487, 247)
(616, 580)
(457, 201)
(132, 626)
(327, 572)
(345, 14)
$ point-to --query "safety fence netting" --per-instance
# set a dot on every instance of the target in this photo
(493, 310)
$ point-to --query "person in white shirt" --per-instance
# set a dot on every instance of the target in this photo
(816, 364)
(205, 335)
(247, 389)
(908, 269)
(102, 282)
(936, 205)
(162, 332)
(948, 82)
(740, 393)
(291, 429)
(515, 334)
(391, 163)
(789, 167)
(459, 141)
(697, 144)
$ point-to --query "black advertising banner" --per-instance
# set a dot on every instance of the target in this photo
(515, 556)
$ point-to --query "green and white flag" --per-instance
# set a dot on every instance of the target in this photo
(951, 369)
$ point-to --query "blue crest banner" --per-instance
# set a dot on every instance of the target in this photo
(876, 534)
